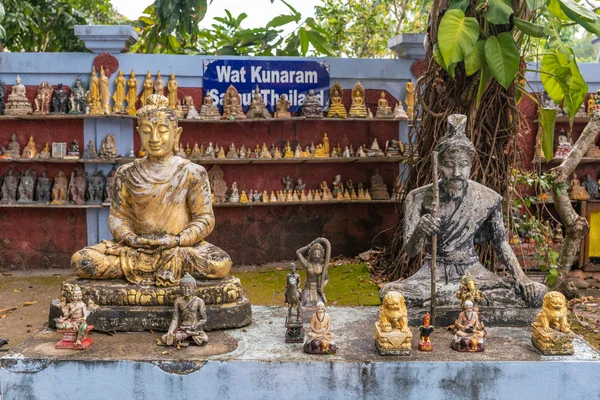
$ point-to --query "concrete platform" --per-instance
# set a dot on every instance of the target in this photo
(256, 363)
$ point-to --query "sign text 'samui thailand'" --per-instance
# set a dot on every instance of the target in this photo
(274, 78)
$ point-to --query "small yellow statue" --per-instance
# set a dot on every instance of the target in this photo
(45, 153)
(147, 88)
(131, 97)
(104, 91)
(243, 197)
(551, 333)
(410, 99)
(358, 108)
(29, 151)
(283, 106)
(94, 97)
(384, 111)
(577, 192)
(336, 107)
(159, 85)
(392, 335)
(172, 91)
(119, 95)
(591, 105)
(468, 291)
(288, 153)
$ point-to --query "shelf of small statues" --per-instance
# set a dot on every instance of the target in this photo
(280, 203)
(120, 160)
(293, 119)
(47, 205)
(63, 116)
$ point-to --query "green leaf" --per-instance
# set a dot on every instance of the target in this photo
(552, 275)
(437, 56)
(498, 11)
(2, 13)
(484, 78)
(502, 57)
(303, 41)
(457, 36)
(459, 5)
(292, 9)
(535, 4)
(2, 32)
(547, 119)
(584, 17)
(475, 59)
(556, 10)
(319, 43)
(563, 81)
(281, 20)
(529, 28)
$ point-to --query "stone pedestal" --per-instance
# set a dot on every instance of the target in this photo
(69, 337)
(294, 332)
(123, 307)
(425, 346)
(552, 343)
(393, 343)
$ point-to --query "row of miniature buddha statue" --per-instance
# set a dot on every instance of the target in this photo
(27, 187)
(592, 102)
(108, 149)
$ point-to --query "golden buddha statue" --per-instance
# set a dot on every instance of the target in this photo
(410, 99)
(283, 105)
(94, 97)
(591, 105)
(172, 91)
(45, 153)
(104, 92)
(29, 151)
(131, 97)
(119, 95)
(161, 212)
(288, 153)
(159, 84)
(147, 88)
(322, 149)
(336, 108)
(358, 108)
(383, 108)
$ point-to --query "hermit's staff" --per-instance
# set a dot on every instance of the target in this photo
(434, 211)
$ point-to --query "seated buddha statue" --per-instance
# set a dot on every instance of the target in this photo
(576, 191)
(383, 108)
(336, 108)
(358, 108)
(161, 212)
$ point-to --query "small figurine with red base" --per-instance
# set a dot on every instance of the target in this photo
(426, 330)
(73, 324)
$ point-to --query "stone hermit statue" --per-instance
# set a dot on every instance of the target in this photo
(59, 190)
(42, 190)
(468, 213)
(9, 186)
(95, 188)
(312, 107)
(189, 317)
(77, 101)
(27, 186)
(59, 100)
(77, 187)
(315, 259)
(319, 340)
(160, 214)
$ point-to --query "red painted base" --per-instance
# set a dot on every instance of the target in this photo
(68, 340)
(425, 346)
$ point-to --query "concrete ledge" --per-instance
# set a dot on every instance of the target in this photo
(107, 38)
(408, 45)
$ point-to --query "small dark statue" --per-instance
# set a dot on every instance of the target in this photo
(591, 186)
(27, 186)
(2, 96)
(109, 185)
(43, 189)
(77, 187)
(9, 187)
(77, 103)
(59, 100)
(295, 331)
(96, 188)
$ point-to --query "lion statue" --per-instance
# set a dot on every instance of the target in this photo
(393, 313)
(553, 314)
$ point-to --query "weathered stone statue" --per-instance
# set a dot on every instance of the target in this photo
(77, 103)
(392, 335)
(312, 107)
(283, 106)
(43, 189)
(209, 111)
(551, 333)
(159, 85)
(358, 109)
(60, 101)
(95, 187)
(119, 94)
(77, 187)
(17, 103)
(9, 186)
(217, 183)
(104, 92)
(379, 189)
(160, 214)
(468, 213)
(26, 186)
(13, 150)
(234, 195)
(319, 340)
(73, 323)
(384, 111)
(469, 332)
(591, 186)
(172, 86)
(2, 97)
(59, 190)
(399, 112)
(108, 190)
(257, 107)
(287, 183)
(108, 149)
(315, 259)
(42, 99)
(131, 98)
(89, 153)
(146, 88)
(74, 149)
(336, 107)
(232, 104)
(30, 151)
(232, 152)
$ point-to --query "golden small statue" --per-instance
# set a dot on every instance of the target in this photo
(336, 107)
(119, 95)
(468, 291)
(172, 91)
(104, 92)
(131, 97)
(232, 104)
(384, 111)
(577, 192)
(146, 89)
(209, 111)
(392, 335)
(45, 153)
(551, 333)
(159, 85)
(283, 106)
(59, 190)
(188, 150)
(410, 99)
(264, 152)
(243, 197)
(277, 153)
(358, 108)
(29, 151)
(591, 105)
(322, 149)
(287, 152)
(94, 98)
(160, 215)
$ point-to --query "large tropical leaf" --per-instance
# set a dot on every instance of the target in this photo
(563, 81)
(498, 11)
(475, 59)
(584, 17)
(555, 9)
(303, 41)
(547, 119)
(529, 28)
(502, 57)
(535, 4)
(281, 20)
(319, 42)
(459, 5)
(484, 78)
(457, 36)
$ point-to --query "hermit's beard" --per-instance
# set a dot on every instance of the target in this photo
(469, 314)
(454, 187)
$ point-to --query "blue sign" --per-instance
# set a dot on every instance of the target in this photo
(274, 78)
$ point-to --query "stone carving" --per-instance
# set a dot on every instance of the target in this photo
(576, 191)
(43, 189)
(59, 190)
(209, 111)
(77, 187)
(315, 259)
(2, 97)
(358, 108)
(108, 149)
(13, 150)
(551, 333)
(426, 330)
(89, 153)
(469, 332)
(173, 215)
(257, 107)
(95, 187)
(77, 103)
(232, 104)
(9, 186)
(319, 340)
(27, 186)
(217, 183)
(159, 85)
(336, 107)
(73, 323)
(234, 196)
(189, 317)
(17, 103)
(399, 112)
(312, 107)
(283, 106)
(42, 99)
(293, 295)
(379, 189)
(468, 212)
(119, 94)
(108, 190)
(60, 101)
(392, 335)
(45, 153)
